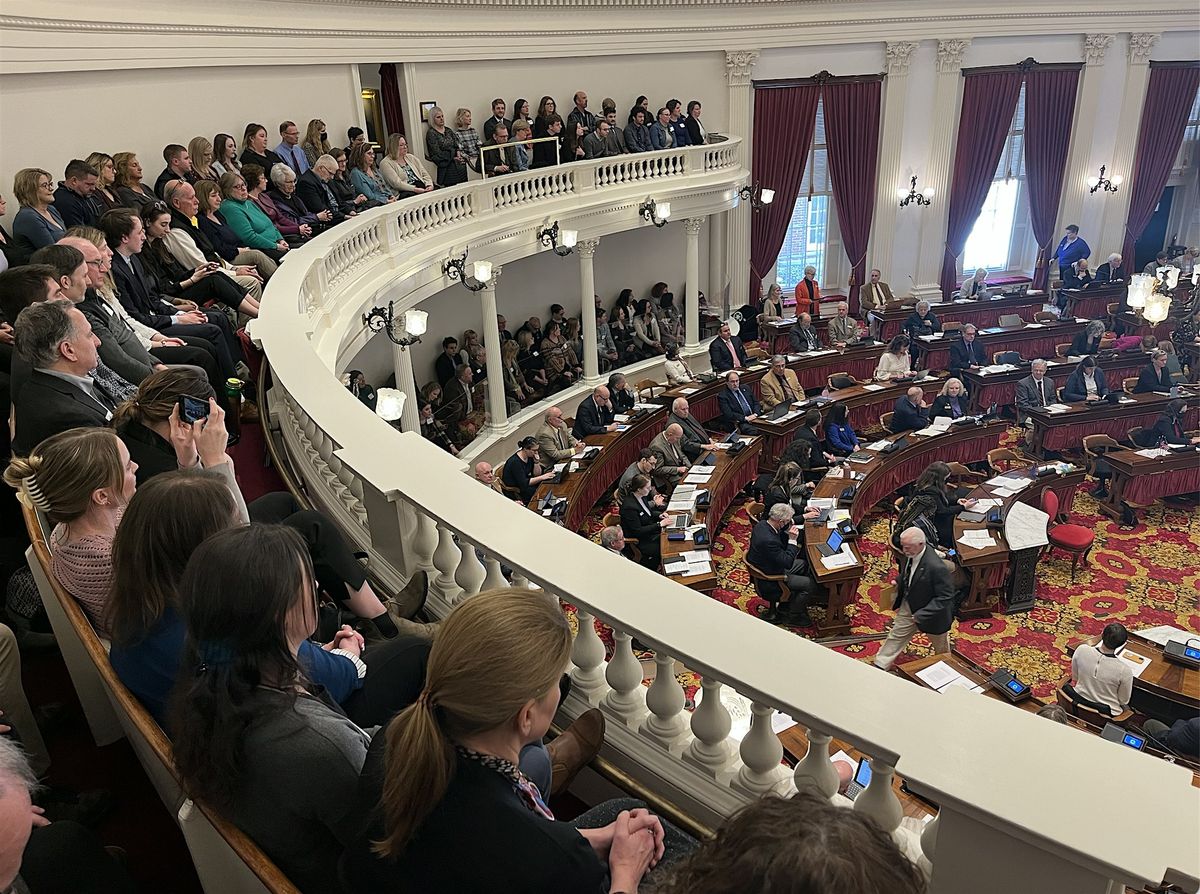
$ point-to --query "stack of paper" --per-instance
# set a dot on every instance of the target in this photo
(641, 406)
(1011, 488)
(620, 417)
(984, 505)
(558, 467)
(997, 368)
(699, 475)
(844, 558)
(689, 564)
(941, 676)
(874, 387)
(1153, 452)
(933, 337)
(823, 502)
(686, 391)
(720, 445)
(1057, 408)
(1035, 325)
(682, 498)
(939, 426)
(1163, 634)
(978, 538)
(878, 445)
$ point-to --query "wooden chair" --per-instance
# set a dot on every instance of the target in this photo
(755, 512)
(1004, 459)
(1045, 316)
(998, 354)
(1094, 447)
(1106, 342)
(1063, 351)
(1113, 308)
(613, 518)
(894, 516)
(954, 328)
(1127, 385)
(647, 385)
(1074, 539)
(758, 576)
(961, 476)
(840, 380)
(756, 353)
(1134, 436)
(1082, 709)
(886, 421)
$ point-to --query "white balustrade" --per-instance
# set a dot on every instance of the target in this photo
(425, 540)
(761, 754)
(711, 724)
(665, 723)
(470, 574)
(587, 654)
(494, 579)
(445, 560)
(879, 800)
(815, 770)
(627, 699)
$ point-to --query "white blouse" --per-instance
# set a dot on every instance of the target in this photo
(890, 364)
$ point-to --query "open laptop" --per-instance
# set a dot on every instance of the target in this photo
(780, 410)
(833, 545)
(680, 521)
(862, 778)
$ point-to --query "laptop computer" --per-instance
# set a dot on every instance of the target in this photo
(833, 545)
(862, 778)
(780, 410)
(680, 521)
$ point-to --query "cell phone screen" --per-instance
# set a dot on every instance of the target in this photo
(192, 410)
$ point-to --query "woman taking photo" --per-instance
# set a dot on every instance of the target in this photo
(366, 179)
(895, 363)
(225, 155)
(104, 196)
(251, 226)
(200, 151)
(951, 401)
(130, 189)
(441, 148)
(37, 223)
(315, 142)
(403, 171)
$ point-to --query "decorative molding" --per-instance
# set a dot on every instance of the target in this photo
(898, 54)
(586, 248)
(738, 66)
(691, 225)
(950, 54)
(1140, 46)
(1095, 46)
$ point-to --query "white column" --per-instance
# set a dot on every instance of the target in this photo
(406, 384)
(1116, 205)
(718, 291)
(891, 172)
(937, 168)
(586, 250)
(497, 408)
(691, 317)
(1080, 163)
(739, 64)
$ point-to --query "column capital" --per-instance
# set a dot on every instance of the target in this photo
(897, 54)
(950, 54)
(1095, 46)
(586, 248)
(691, 225)
(738, 66)
(1140, 45)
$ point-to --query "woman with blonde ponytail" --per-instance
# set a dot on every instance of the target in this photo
(450, 810)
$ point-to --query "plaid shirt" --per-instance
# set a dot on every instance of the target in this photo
(468, 143)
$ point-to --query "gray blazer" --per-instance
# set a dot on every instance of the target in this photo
(1030, 396)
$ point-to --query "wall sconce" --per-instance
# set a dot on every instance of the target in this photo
(389, 404)
(758, 197)
(1105, 183)
(413, 322)
(924, 197)
(549, 237)
(657, 214)
(456, 268)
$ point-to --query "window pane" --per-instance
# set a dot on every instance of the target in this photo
(990, 239)
(805, 241)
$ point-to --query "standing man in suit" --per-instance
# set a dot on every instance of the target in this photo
(873, 297)
(695, 438)
(668, 451)
(555, 443)
(775, 549)
(967, 353)
(924, 600)
(780, 384)
(804, 337)
(911, 411)
(726, 351)
(497, 119)
(1070, 249)
(738, 405)
(595, 415)
(1155, 376)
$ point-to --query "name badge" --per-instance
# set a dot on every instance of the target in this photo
(108, 416)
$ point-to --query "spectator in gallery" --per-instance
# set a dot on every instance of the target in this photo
(679, 128)
(442, 147)
(468, 138)
(402, 170)
(661, 136)
(254, 148)
(37, 223)
(637, 134)
(224, 155)
(545, 113)
(546, 154)
(365, 176)
(315, 142)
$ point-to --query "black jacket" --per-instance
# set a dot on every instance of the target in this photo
(694, 435)
(220, 236)
(943, 407)
(591, 419)
(805, 450)
(1081, 344)
(74, 209)
(1076, 389)
(916, 324)
(731, 409)
(642, 525)
(47, 405)
(180, 222)
(719, 357)
(1170, 430)
(266, 162)
(964, 355)
(801, 340)
(120, 348)
(295, 209)
(771, 553)
(1152, 380)
(444, 367)
(1105, 273)
(930, 596)
(312, 192)
(908, 416)
(1073, 280)
(623, 401)
(139, 295)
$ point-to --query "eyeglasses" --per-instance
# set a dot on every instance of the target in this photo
(96, 263)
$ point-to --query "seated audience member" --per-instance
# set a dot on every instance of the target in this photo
(788, 486)
(843, 328)
(646, 330)
(104, 196)
(460, 410)
(529, 358)
(558, 314)
(250, 224)
(696, 132)
(556, 444)
(1174, 368)
(37, 222)
(354, 137)
(739, 406)
(924, 600)
(808, 293)
(806, 448)
(225, 149)
(402, 170)
(677, 370)
(289, 149)
(501, 160)
(596, 143)
(290, 207)
(671, 462)
(594, 415)
(73, 198)
(254, 149)
(660, 131)
(523, 471)
(1099, 676)
(1154, 376)
(573, 336)
(623, 397)
(967, 353)
(644, 519)
(772, 306)
(546, 154)
(775, 549)
(1110, 270)
(558, 357)
(522, 152)
(779, 385)
(224, 241)
(191, 247)
(695, 439)
(131, 191)
(951, 400)
(911, 412)
(1077, 276)
(803, 337)
(357, 384)
(922, 321)
(614, 138)
(645, 464)
(365, 176)
(200, 151)
(607, 353)
(670, 320)
(1160, 260)
(294, 233)
(1181, 738)
(571, 146)
(1086, 383)
(840, 438)
(1088, 341)
(516, 386)
(1168, 428)
(448, 361)
(637, 134)
(314, 191)
(433, 430)
(179, 167)
(1035, 390)
(974, 287)
(348, 197)
(480, 706)
(896, 362)
(726, 351)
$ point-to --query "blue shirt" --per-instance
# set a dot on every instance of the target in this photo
(1069, 253)
(293, 157)
(841, 436)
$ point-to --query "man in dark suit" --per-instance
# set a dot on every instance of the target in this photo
(726, 351)
(623, 397)
(804, 337)
(497, 120)
(695, 438)
(72, 199)
(775, 549)
(911, 413)
(924, 600)
(1110, 271)
(807, 450)
(56, 341)
(501, 161)
(1034, 391)
(594, 416)
(1155, 376)
(313, 190)
(458, 400)
(448, 361)
(179, 167)
(967, 353)
(739, 406)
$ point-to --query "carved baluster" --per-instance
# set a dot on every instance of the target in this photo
(587, 654)
(665, 699)
(709, 750)
(815, 769)
(627, 699)
(445, 560)
(470, 573)
(494, 579)
(761, 753)
(425, 540)
(879, 800)
(521, 581)
(929, 838)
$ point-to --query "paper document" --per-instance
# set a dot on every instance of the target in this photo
(841, 559)
(720, 445)
(1153, 452)
(823, 502)
(702, 470)
(558, 467)
(1057, 408)
(878, 445)
(931, 431)
(641, 406)
(696, 479)
(1025, 527)
(1163, 634)
(873, 387)
(688, 390)
(780, 722)
(933, 337)
(961, 683)
(1139, 663)
(937, 675)
(1035, 325)
(620, 417)
(983, 505)
(695, 556)
(977, 539)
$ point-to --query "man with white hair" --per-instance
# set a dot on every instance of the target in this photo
(911, 412)
(924, 600)
(1110, 270)
(779, 385)
(776, 548)
(1035, 390)
(314, 191)
(595, 415)
(556, 444)
(612, 539)
(695, 438)
(672, 463)
(843, 328)
(190, 247)
(486, 475)
(974, 287)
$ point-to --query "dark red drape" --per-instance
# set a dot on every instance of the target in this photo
(389, 95)
(1169, 98)
(784, 121)
(1049, 118)
(852, 138)
(989, 102)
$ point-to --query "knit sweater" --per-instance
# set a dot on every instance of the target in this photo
(84, 568)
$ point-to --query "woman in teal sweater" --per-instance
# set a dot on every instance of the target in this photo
(252, 227)
(365, 176)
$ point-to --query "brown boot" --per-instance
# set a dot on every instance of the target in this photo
(570, 752)
(248, 412)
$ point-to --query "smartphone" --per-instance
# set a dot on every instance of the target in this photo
(191, 409)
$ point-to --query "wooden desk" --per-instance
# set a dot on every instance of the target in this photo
(1165, 690)
(1136, 325)
(972, 672)
(1140, 480)
(1093, 301)
(1060, 431)
(1001, 388)
(980, 313)
(778, 332)
(1033, 340)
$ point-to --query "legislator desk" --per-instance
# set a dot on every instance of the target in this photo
(1141, 480)
(1066, 430)
(1001, 387)
(1165, 690)
(731, 474)
(1134, 324)
(883, 475)
(990, 567)
(963, 310)
(1033, 340)
(973, 672)
(777, 333)
(1092, 302)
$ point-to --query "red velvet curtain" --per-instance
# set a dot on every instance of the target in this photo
(989, 103)
(1169, 98)
(389, 95)
(1049, 119)
(784, 121)
(852, 137)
